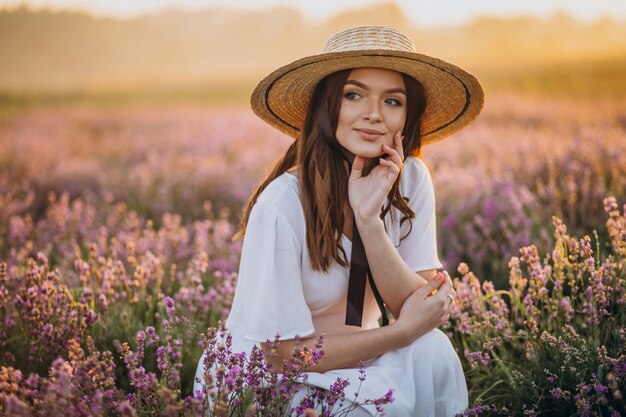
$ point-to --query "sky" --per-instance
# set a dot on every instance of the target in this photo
(421, 12)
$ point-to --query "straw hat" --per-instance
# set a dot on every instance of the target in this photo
(454, 97)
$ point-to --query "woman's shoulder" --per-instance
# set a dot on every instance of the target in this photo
(283, 190)
(415, 171)
(282, 198)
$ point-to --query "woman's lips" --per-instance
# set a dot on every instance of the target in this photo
(369, 134)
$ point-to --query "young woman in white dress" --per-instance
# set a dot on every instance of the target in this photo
(345, 223)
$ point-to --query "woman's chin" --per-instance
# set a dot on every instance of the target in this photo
(369, 154)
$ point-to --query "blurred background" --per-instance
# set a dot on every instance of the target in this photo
(146, 103)
(213, 52)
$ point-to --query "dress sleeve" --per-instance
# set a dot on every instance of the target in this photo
(270, 277)
(419, 247)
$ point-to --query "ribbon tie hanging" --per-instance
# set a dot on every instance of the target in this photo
(359, 267)
(359, 274)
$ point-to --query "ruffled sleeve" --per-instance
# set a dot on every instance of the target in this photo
(269, 296)
(419, 247)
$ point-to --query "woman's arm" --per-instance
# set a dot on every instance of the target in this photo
(419, 314)
(394, 279)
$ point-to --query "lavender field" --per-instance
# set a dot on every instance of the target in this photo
(116, 252)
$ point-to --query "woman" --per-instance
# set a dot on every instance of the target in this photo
(345, 223)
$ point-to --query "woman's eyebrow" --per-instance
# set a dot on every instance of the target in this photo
(364, 87)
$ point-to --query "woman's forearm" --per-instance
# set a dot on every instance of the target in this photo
(347, 350)
(394, 279)
(420, 313)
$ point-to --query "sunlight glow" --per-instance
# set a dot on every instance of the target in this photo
(424, 14)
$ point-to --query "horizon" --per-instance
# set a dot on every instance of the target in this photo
(436, 15)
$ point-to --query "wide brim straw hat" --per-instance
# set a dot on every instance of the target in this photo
(453, 96)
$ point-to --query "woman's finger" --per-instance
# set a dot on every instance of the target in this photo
(392, 171)
(394, 155)
(451, 299)
(357, 168)
(398, 139)
(389, 163)
(443, 291)
(393, 167)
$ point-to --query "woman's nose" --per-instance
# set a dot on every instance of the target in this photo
(372, 111)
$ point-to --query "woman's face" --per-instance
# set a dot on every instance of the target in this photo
(372, 110)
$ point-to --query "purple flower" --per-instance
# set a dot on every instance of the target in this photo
(169, 304)
(162, 358)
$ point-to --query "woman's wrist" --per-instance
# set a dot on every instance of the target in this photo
(369, 225)
(406, 331)
(401, 334)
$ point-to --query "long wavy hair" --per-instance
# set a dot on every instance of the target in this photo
(323, 171)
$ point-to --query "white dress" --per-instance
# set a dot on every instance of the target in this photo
(278, 292)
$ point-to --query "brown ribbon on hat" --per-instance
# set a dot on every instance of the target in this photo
(359, 274)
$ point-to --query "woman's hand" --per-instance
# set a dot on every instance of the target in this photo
(368, 193)
(422, 312)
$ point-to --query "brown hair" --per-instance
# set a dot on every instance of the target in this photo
(323, 171)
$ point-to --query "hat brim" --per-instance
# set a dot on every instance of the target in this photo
(453, 96)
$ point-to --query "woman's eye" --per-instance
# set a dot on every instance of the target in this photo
(351, 95)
